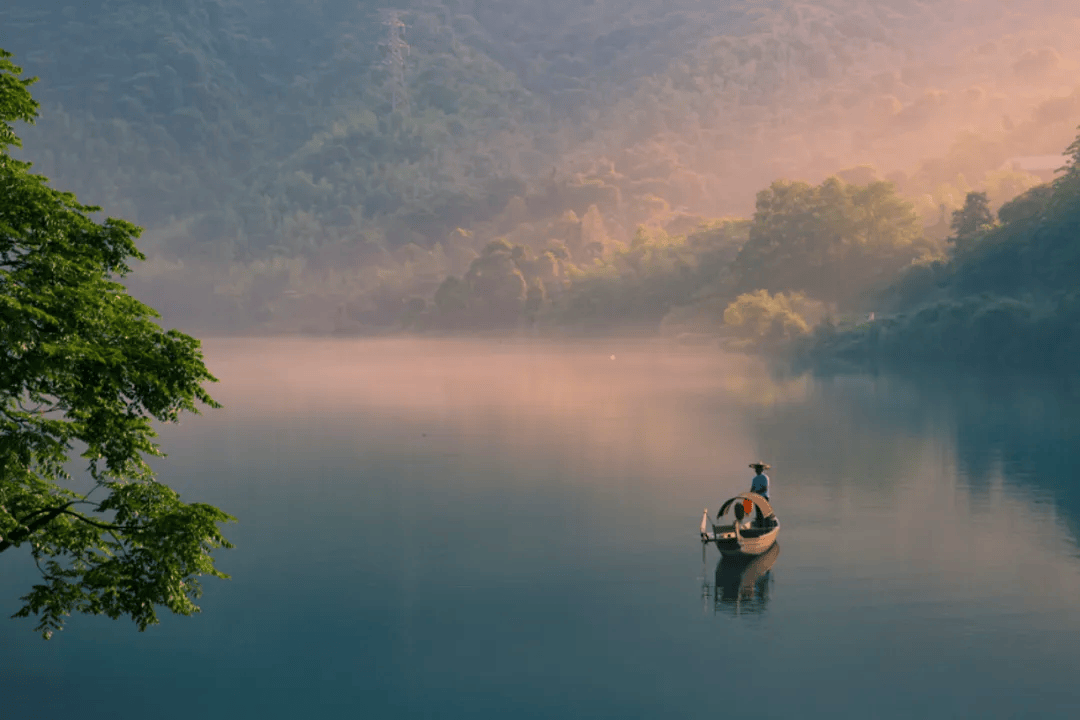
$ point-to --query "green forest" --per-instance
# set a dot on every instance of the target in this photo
(1006, 296)
(759, 172)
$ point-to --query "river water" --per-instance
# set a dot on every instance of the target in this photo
(446, 529)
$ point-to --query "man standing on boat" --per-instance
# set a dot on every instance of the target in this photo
(760, 483)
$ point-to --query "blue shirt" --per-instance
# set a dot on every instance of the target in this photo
(760, 485)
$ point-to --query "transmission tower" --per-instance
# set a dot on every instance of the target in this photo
(395, 49)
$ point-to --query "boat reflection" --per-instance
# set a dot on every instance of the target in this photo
(743, 584)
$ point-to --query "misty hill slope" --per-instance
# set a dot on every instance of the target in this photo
(264, 131)
(164, 109)
(210, 111)
(218, 98)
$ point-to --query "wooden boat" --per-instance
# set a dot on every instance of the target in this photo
(752, 531)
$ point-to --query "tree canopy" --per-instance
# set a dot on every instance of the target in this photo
(1006, 298)
(833, 241)
(970, 221)
(85, 367)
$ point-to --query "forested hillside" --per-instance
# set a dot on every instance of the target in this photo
(1005, 297)
(328, 165)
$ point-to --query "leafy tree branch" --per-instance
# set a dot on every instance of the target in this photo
(85, 363)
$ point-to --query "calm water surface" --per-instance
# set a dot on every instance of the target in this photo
(489, 530)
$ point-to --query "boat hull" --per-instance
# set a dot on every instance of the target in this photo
(749, 547)
(741, 546)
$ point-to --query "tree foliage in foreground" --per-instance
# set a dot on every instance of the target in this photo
(85, 366)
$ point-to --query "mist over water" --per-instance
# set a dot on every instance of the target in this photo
(484, 529)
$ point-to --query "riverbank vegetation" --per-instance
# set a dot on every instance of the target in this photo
(1005, 296)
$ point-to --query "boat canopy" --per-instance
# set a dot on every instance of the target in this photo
(762, 504)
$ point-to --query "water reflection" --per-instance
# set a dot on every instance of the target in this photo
(743, 586)
(551, 494)
(985, 432)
